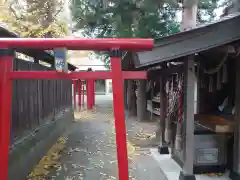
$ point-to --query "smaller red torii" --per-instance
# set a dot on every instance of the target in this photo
(7, 45)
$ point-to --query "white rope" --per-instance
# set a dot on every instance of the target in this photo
(216, 69)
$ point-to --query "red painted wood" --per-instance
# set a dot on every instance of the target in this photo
(120, 128)
(83, 92)
(74, 92)
(72, 44)
(76, 75)
(91, 83)
(78, 43)
(91, 91)
(5, 113)
(79, 93)
(88, 85)
(94, 91)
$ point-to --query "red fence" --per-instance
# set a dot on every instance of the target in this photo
(34, 101)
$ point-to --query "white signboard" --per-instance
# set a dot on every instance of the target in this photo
(61, 60)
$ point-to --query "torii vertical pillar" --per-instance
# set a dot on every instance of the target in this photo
(74, 93)
(79, 94)
(83, 93)
(5, 109)
(94, 91)
(120, 127)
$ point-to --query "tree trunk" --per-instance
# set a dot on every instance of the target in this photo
(189, 14)
(236, 6)
(189, 19)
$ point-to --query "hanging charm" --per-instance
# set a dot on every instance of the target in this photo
(224, 74)
(219, 86)
(211, 84)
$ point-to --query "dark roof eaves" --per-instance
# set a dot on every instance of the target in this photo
(167, 39)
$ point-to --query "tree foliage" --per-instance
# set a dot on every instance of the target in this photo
(125, 18)
(33, 18)
(133, 18)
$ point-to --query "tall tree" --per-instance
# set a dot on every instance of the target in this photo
(31, 18)
(125, 18)
(132, 18)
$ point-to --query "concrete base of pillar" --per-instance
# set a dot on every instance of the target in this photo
(163, 149)
(183, 176)
(234, 176)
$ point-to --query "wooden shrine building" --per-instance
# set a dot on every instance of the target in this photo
(194, 80)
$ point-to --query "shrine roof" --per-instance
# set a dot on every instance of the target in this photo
(204, 37)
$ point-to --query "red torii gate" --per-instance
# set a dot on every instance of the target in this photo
(7, 74)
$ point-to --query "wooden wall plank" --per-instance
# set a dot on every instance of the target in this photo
(34, 100)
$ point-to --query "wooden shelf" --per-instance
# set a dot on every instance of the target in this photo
(153, 111)
(156, 100)
(215, 123)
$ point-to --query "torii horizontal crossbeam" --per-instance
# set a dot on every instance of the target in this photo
(105, 44)
(115, 46)
(75, 75)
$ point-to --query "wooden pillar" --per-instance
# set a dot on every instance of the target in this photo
(189, 74)
(162, 149)
(94, 92)
(235, 174)
(74, 93)
(79, 94)
(83, 92)
(125, 94)
(141, 100)
(131, 99)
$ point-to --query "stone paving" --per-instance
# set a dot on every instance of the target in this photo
(89, 151)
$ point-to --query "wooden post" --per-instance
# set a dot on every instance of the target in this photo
(79, 94)
(94, 92)
(6, 66)
(83, 93)
(125, 94)
(74, 92)
(141, 100)
(131, 99)
(189, 74)
(118, 107)
(189, 16)
(162, 148)
(235, 174)
(90, 94)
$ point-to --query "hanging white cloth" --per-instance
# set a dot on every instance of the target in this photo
(223, 105)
